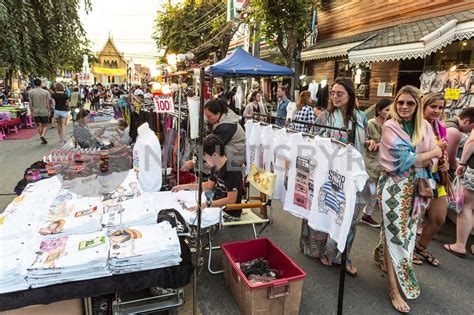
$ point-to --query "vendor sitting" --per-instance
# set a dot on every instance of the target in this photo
(82, 134)
(225, 180)
(124, 131)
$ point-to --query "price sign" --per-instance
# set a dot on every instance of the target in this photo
(452, 94)
(163, 104)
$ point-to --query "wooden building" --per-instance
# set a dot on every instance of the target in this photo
(385, 44)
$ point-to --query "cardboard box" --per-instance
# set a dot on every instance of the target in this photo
(281, 296)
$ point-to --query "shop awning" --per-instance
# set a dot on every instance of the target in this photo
(330, 48)
(328, 52)
(414, 40)
(109, 71)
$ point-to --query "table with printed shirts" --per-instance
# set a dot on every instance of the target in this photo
(170, 277)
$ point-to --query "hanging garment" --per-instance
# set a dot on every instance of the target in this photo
(253, 142)
(340, 174)
(282, 151)
(323, 96)
(268, 146)
(300, 192)
(167, 154)
(465, 80)
(147, 159)
(426, 81)
(452, 80)
(439, 82)
(194, 117)
(313, 90)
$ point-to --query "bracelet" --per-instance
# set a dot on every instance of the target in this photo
(462, 164)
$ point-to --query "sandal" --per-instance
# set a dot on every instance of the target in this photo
(325, 261)
(416, 260)
(350, 271)
(455, 253)
(420, 250)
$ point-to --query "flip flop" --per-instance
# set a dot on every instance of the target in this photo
(448, 248)
(351, 273)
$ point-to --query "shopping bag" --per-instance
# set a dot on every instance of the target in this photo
(457, 201)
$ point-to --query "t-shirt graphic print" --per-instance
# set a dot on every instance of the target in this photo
(331, 196)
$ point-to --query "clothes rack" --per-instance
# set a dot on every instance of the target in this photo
(351, 135)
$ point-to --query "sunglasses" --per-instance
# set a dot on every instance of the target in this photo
(409, 103)
(337, 93)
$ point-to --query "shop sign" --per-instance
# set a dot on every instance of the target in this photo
(163, 104)
(452, 94)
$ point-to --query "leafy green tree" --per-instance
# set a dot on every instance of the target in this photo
(201, 28)
(285, 24)
(41, 37)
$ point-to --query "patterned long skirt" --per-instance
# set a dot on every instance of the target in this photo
(318, 244)
(399, 230)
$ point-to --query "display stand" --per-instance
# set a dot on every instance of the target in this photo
(169, 277)
(199, 201)
(342, 273)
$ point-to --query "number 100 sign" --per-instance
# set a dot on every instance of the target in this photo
(163, 104)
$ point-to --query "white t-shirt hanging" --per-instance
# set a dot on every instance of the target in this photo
(300, 192)
(253, 142)
(313, 90)
(282, 150)
(268, 139)
(194, 106)
(439, 82)
(340, 174)
(464, 80)
(452, 80)
(426, 80)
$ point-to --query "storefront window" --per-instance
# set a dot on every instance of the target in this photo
(361, 81)
(343, 69)
(359, 74)
(458, 52)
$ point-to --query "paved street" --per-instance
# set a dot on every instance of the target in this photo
(446, 289)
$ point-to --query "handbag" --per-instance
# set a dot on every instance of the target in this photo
(423, 188)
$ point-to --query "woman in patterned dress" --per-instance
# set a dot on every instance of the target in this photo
(407, 153)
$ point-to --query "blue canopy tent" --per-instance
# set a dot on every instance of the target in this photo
(240, 63)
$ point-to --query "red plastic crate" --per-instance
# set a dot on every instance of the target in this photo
(281, 296)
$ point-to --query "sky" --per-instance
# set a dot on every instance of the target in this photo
(131, 24)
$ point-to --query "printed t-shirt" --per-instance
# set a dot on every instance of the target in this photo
(427, 80)
(340, 174)
(300, 192)
(439, 82)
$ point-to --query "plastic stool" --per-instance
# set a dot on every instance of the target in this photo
(13, 128)
(2, 134)
(30, 123)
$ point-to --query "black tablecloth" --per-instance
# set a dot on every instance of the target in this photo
(170, 277)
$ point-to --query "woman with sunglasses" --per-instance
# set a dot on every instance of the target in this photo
(407, 155)
(433, 109)
(341, 112)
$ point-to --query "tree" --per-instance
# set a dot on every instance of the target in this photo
(41, 37)
(285, 24)
(201, 28)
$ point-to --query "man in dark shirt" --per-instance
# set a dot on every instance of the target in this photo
(225, 180)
